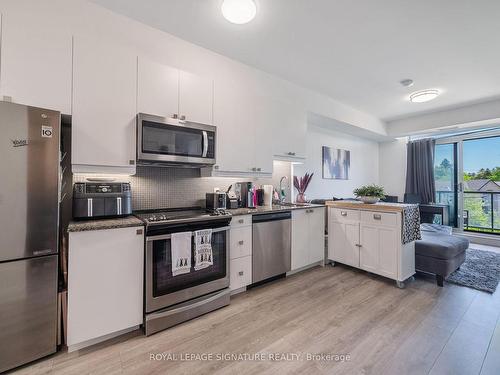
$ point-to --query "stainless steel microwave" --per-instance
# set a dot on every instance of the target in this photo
(173, 142)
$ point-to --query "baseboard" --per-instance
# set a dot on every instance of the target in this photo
(320, 263)
(482, 239)
(100, 339)
(239, 290)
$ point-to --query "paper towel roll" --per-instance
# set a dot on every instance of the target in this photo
(268, 195)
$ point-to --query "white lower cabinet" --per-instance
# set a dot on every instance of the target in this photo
(240, 252)
(308, 236)
(379, 250)
(105, 284)
(344, 248)
(241, 272)
(371, 241)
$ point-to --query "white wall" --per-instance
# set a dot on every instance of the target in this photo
(364, 163)
(466, 115)
(79, 17)
(392, 167)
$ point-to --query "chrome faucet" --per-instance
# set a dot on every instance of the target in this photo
(282, 194)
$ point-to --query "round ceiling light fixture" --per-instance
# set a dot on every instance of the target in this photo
(239, 11)
(424, 96)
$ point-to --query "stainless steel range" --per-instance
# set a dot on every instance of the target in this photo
(170, 299)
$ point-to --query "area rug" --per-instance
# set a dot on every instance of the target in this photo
(481, 270)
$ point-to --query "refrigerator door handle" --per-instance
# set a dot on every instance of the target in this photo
(118, 206)
(42, 252)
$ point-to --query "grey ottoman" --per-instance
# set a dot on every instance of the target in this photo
(438, 252)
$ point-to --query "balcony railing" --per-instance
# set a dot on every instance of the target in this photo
(481, 209)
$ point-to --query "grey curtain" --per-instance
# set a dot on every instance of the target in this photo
(420, 170)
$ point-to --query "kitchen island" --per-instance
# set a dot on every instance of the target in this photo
(378, 238)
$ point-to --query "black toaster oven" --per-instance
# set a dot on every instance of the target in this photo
(101, 200)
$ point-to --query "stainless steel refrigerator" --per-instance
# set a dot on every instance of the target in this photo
(29, 197)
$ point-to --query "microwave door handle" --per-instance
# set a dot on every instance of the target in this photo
(205, 144)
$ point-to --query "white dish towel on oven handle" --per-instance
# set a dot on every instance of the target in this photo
(203, 255)
(181, 253)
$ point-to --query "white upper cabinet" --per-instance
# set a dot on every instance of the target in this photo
(244, 140)
(157, 88)
(169, 92)
(196, 98)
(289, 128)
(262, 126)
(35, 60)
(104, 107)
(233, 117)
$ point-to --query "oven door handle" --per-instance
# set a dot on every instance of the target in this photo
(168, 236)
(206, 300)
(205, 144)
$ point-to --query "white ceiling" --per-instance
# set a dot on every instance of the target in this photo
(354, 51)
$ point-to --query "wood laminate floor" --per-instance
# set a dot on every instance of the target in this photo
(422, 329)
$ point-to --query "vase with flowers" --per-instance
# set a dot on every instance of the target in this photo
(301, 184)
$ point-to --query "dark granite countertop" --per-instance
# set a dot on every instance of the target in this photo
(274, 208)
(122, 222)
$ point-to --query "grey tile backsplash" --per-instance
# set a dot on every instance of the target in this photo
(155, 187)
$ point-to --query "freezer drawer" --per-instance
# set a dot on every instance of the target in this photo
(28, 310)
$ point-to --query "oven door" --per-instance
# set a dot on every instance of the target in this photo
(163, 289)
(172, 141)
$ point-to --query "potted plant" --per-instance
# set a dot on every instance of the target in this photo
(301, 184)
(370, 193)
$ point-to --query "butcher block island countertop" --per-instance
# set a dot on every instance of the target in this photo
(357, 205)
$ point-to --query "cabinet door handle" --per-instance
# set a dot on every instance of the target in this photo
(175, 116)
(343, 213)
(259, 169)
(183, 117)
(358, 245)
(216, 167)
(377, 216)
(241, 221)
(240, 273)
(240, 242)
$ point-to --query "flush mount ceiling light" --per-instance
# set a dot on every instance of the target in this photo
(239, 11)
(424, 96)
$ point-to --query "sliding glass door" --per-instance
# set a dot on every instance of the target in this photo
(467, 174)
(481, 174)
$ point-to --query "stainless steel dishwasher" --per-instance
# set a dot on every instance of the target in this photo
(271, 245)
